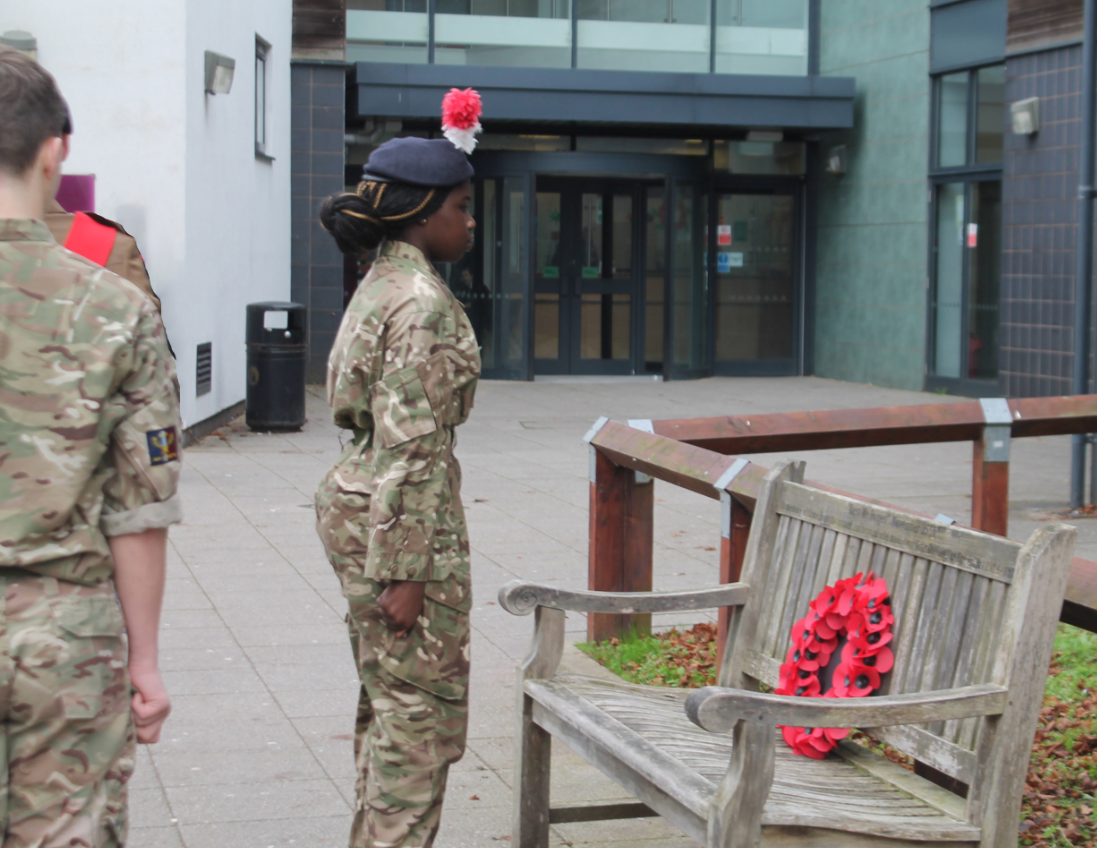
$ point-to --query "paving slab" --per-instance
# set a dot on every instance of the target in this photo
(259, 753)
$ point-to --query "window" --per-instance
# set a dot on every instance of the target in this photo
(262, 51)
(966, 178)
(970, 117)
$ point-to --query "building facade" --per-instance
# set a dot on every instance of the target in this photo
(674, 188)
(201, 180)
(646, 183)
(694, 187)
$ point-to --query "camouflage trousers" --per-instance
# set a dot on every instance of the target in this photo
(406, 734)
(66, 736)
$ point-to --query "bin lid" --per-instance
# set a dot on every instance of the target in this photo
(275, 306)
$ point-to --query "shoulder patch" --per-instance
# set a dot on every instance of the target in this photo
(163, 445)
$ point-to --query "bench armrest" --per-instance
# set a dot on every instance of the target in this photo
(718, 709)
(521, 598)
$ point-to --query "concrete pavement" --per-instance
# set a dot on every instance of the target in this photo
(257, 753)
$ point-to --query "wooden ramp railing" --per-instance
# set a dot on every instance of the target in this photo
(700, 454)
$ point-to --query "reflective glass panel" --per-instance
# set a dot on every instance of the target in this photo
(605, 254)
(644, 35)
(984, 246)
(472, 280)
(526, 33)
(688, 282)
(990, 118)
(669, 146)
(590, 241)
(510, 344)
(655, 246)
(504, 141)
(604, 331)
(759, 157)
(387, 31)
(548, 263)
(952, 94)
(754, 277)
(948, 280)
(761, 37)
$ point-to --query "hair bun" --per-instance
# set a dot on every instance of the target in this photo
(352, 223)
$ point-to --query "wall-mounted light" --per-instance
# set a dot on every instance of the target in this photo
(836, 160)
(22, 41)
(1025, 116)
(219, 72)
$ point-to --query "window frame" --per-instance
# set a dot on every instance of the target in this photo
(966, 174)
(262, 99)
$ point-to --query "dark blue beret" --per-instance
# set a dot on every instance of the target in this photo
(418, 161)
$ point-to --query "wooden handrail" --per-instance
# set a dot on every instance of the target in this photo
(621, 517)
(872, 427)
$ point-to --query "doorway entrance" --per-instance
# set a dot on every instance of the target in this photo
(756, 291)
(598, 277)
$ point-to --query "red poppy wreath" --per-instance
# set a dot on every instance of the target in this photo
(853, 619)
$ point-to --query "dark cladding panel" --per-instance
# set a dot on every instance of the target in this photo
(319, 25)
(1041, 23)
(967, 33)
(688, 100)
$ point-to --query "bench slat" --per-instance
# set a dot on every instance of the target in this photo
(993, 556)
(927, 748)
(969, 641)
(650, 721)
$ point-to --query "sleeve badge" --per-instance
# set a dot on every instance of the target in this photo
(163, 445)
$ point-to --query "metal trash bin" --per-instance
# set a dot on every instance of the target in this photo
(277, 354)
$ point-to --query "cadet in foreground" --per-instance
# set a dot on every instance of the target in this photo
(89, 462)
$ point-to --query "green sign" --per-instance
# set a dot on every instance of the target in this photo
(550, 270)
(741, 230)
(590, 272)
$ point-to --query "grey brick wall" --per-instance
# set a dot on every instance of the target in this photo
(1039, 191)
(318, 102)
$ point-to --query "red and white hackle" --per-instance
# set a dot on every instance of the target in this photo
(461, 117)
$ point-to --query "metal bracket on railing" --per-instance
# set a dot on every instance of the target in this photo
(733, 471)
(591, 433)
(941, 518)
(646, 426)
(997, 433)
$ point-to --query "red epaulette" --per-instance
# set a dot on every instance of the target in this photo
(90, 239)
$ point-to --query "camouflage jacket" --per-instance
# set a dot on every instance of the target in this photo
(402, 374)
(125, 258)
(89, 440)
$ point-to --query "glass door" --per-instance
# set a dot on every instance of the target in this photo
(586, 274)
(688, 282)
(756, 283)
(491, 280)
(964, 297)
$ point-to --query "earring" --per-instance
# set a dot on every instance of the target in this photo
(422, 220)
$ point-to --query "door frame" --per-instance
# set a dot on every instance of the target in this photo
(570, 338)
(495, 164)
(796, 188)
(963, 386)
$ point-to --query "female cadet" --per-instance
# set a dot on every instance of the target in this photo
(401, 375)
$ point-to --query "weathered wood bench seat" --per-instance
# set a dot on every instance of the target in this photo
(975, 618)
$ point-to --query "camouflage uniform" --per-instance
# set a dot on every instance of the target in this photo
(401, 375)
(125, 258)
(88, 449)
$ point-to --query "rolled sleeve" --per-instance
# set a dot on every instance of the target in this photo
(152, 516)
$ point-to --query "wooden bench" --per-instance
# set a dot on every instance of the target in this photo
(975, 619)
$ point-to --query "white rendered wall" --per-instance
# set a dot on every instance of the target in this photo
(177, 167)
(238, 206)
